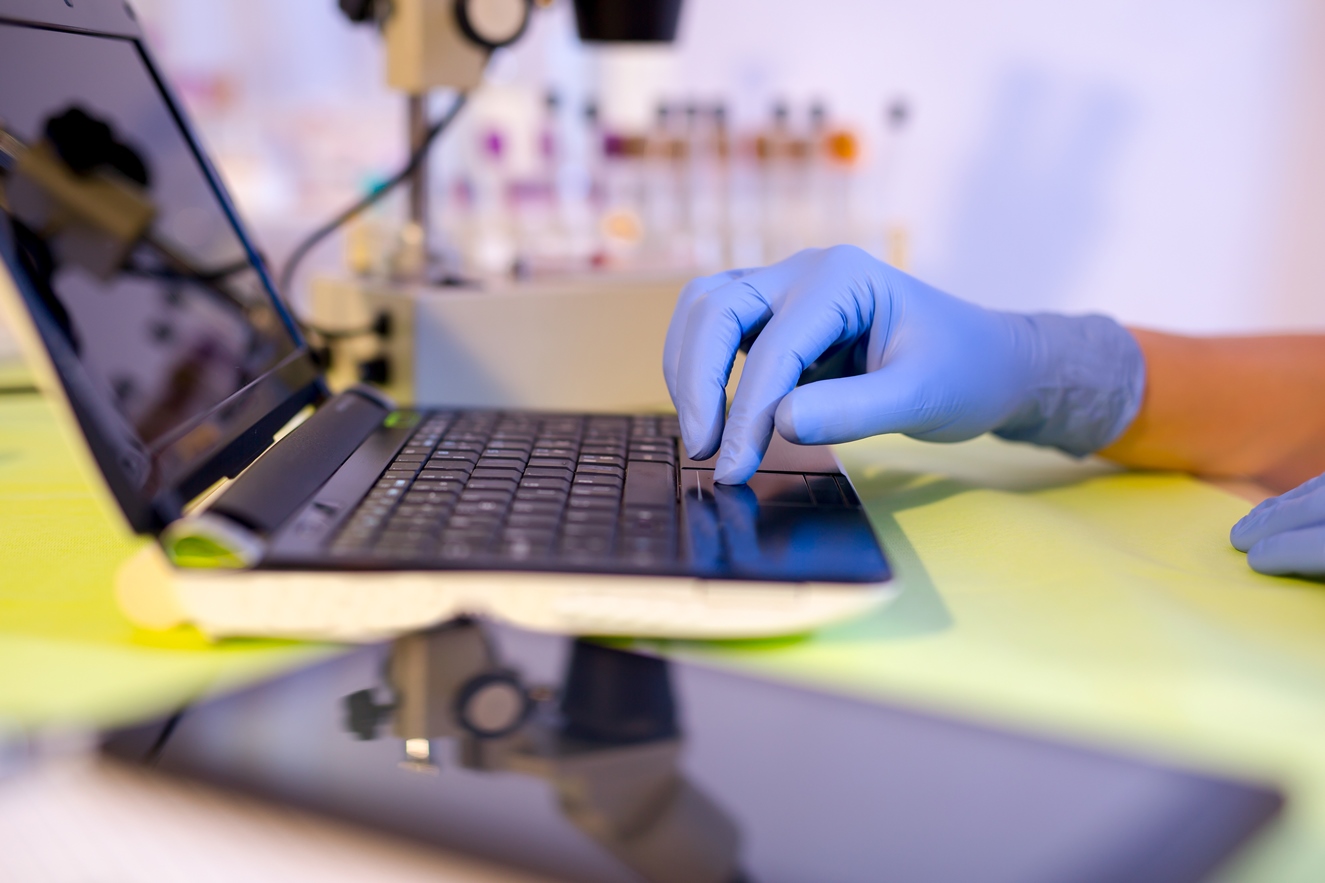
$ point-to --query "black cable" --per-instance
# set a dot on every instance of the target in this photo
(313, 239)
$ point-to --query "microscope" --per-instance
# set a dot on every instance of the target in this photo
(433, 44)
(399, 330)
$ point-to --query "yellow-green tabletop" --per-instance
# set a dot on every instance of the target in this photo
(68, 658)
(1040, 593)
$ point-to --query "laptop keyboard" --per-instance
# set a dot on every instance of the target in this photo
(524, 487)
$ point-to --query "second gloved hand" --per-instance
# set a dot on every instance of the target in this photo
(915, 361)
(1286, 534)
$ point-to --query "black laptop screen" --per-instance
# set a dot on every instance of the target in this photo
(152, 306)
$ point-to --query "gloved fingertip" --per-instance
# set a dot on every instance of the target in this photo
(699, 446)
(1239, 535)
(699, 452)
(699, 437)
(730, 469)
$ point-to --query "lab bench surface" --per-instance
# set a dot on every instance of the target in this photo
(1062, 596)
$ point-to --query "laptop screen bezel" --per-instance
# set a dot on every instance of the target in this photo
(265, 404)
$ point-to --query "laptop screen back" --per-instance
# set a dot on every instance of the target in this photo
(157, 316)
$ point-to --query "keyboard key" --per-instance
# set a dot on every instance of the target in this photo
(549, 494)
(407, 542)
(655, 447)
(538, 535)
(591, 516)
(474, 496)
(533, 472)
(424, 495)
(589, 530)
(647, 547)
(536, 507)
(503, 457)
(650, 484)
(657, 531)
(473, 447)
(594, 545)
(551, 463)
(476, 523)
(458, 475)
(480, 507)
(460, 549)
(469, 530)
(430, 510)
(601, 469)
(651, 457)
(601, 460)
(567, 453)
(636, 525)
(595, 490)
(437, 486)
(460, 447)
(614, 481)
(549, 521)
(453, 460)
(520, 442)
(558, 484)
(524, 548)
(609, 503)
(488, 472)
(491, 484)
(601, 449)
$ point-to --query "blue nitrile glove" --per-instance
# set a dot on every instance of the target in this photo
(1286, 534)
(903, 357)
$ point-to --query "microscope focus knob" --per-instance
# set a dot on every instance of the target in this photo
(492, 705)
(493, 24)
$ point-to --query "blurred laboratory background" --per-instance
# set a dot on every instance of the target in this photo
(1159, 160)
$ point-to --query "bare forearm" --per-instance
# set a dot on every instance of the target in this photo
(1237, 407)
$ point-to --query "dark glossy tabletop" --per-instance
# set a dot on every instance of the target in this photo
(585, 762)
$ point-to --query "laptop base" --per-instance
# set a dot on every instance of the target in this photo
(372, 605)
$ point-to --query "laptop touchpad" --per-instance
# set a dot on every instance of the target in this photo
(782, 526)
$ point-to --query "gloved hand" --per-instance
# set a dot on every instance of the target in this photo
(1286, 534)
(906, 358)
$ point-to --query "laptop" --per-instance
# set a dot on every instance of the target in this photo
(155, 325)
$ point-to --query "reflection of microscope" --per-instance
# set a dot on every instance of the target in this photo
(83, 194)
(610, 744)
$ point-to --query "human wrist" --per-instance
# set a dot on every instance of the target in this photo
(1087, 381)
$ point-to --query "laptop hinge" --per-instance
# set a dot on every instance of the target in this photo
(288, 473)
(210, 541)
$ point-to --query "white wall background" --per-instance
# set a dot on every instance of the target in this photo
(1160, 160)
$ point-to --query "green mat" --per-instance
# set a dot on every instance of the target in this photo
(67, 655)
(1040, 593)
